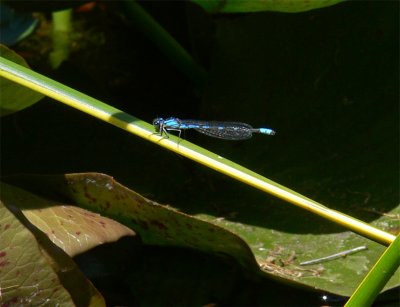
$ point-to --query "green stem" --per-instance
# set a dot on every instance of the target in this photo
(377, 278)
(61, 35)
(165, 42)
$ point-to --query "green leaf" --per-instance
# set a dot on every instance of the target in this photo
(278, 252)
(15, 97)
(243, 6)
(33, 273)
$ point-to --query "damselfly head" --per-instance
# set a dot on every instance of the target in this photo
(157, 123)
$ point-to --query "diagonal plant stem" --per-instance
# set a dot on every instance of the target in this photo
(105, 112)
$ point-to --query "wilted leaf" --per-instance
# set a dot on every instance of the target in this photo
(73, 229)
(32, 273)
(243, 6)
(13, 96)
(25, 274)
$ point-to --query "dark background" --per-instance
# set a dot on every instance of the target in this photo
(327, 81)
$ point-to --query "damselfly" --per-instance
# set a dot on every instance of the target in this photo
(222, 130)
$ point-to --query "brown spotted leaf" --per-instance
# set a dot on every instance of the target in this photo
(73, 229)
(33, 273)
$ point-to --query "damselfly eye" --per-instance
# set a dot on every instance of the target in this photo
(157, 121)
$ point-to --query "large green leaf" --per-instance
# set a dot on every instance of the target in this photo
(15, 97)
(242, 6)
(278, 252)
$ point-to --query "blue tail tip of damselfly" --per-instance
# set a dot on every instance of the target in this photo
(267, 131)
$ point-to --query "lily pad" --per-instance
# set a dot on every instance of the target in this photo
(243, 6)
(15, 97)
(33, 273)
(278, 253)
